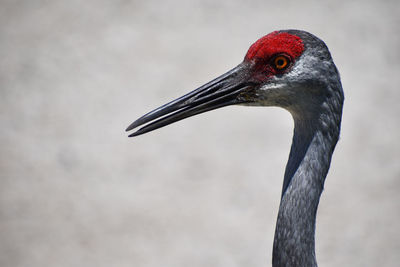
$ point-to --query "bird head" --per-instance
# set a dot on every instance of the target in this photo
(291, 69)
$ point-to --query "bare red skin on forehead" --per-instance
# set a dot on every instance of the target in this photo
(275, 43)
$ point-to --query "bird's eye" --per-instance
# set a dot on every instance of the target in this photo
(281, 62)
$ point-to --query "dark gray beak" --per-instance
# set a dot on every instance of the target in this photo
(229, 89)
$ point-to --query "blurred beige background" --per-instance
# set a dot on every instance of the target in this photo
(75, 191)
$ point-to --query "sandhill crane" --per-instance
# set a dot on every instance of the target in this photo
(294, 70)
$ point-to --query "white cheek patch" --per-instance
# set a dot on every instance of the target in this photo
(303, 67)
(272, 85)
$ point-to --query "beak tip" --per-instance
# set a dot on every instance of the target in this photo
(130, 127)
(134, 134)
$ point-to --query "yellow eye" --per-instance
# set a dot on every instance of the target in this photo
(281, 62)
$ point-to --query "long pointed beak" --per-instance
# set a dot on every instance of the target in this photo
(228, 89)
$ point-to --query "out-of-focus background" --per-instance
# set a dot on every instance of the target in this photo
(75, 191)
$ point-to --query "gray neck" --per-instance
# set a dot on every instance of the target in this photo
(313, 143)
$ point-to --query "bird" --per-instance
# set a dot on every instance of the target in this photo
(294, 70)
